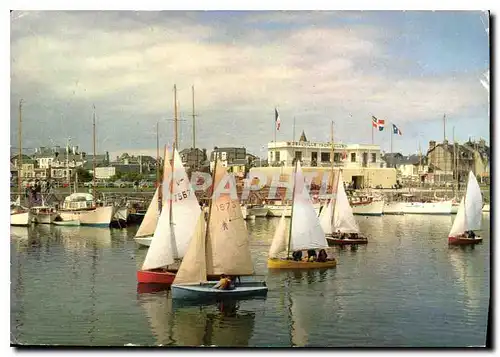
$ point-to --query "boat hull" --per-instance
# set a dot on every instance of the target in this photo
(394, 208)
(20, 219)
(41, 218)
(98, 217)
(292, 264)
(338, 241)
(155, 277)
(205, 291)
(258, 211)
(444, 207)
(121, 214)
(277, 210)
(67, 223)
(143, 241)
(464, 241)
(373, 208)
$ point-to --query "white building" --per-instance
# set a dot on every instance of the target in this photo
(105, 173)
(319, 154)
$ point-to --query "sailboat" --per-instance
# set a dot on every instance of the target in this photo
(219, 246)
(337, 219)
(469, 215)
(147, 228)
(305, 231)
(19, 215)
(176, 225)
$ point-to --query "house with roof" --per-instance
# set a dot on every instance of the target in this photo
(452, 162)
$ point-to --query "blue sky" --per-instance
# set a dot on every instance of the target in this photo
(408, 68)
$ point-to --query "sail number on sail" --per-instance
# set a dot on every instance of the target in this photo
(182, 195)
(225, 206)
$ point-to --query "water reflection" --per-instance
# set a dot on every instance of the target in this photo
(469, 278)
(219, 324)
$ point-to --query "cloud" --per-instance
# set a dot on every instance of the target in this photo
(127, 62)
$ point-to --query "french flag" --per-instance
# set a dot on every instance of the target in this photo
(378, 123)
(277, 119)
(395, 130)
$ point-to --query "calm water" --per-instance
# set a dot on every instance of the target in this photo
(406, 288)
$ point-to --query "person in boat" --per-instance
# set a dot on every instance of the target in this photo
(322, 256)
(311, 255)
(224, 283)
(297, 256)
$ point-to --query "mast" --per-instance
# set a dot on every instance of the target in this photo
(293, 129)
(334, 188)
(171, 187)
(175, 117)
(20, 160)
(93, 156)
(158, 178)
(194, 121)
(210, 200)
(291, 214)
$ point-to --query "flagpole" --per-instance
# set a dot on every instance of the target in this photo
(372, 131)
(392, 133)
(274, 134)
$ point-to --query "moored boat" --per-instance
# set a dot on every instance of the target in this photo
(468, 217)
(66, 223)
(82, 207)
(43, 214)
(258, 210)
(219, 246)
(305, 232)
(19, 216)
(412, 206)
(367, 206)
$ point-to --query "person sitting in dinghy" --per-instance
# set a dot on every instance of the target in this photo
(322, 256)
(311, 255)
(224, 283)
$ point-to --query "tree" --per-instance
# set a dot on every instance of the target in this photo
(83, 175)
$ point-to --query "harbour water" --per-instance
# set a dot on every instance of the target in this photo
(406, 288)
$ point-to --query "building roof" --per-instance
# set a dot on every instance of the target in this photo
(399, 159)
(303, 137)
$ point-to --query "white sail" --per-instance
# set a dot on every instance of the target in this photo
(473, 204)
(325, 217)
(160, 252)
(148, 224)
(228, 250)
(279, 242)
(193, 268)
(306, 229)
(459, 224)
(186, 208)
(343, 219)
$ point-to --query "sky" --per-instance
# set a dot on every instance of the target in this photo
(409, 68)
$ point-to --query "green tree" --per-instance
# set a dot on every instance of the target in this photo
(83, 175)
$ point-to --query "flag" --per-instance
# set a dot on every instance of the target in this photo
(395, 130)
(277, 119)
(378, 123)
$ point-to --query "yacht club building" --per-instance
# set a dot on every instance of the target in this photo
(361, 164)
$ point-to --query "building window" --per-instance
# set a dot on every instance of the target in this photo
(298, 155)
(336, 157)
(325, 157)
(277, 156)
(374, 157)
(353, 157)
